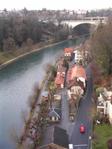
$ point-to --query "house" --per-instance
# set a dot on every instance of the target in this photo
(76, 84)
(104, 104)
(76, 74)
(59, 81)
(75, 90)
(78, 71)
(54, 114)
(101, 105)
(78, 56)
(76, 81)
(61, 71)
(68, 52)
(55, 138)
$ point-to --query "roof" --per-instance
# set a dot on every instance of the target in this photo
(78, 71)
(68, 50)
(55, 112)
(59, 80)
(56, 135)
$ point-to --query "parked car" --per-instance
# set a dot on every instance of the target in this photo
(82, 128)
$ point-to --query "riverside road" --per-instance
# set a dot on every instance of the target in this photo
(82, 141)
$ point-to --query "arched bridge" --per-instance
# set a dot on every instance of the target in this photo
(86, 20)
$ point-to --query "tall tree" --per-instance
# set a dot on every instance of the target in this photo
(101, 47)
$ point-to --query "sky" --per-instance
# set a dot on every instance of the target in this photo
(55, 4)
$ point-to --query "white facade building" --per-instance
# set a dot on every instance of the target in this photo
(104, 105)
(77, 56)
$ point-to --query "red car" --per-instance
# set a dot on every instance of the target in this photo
(82, 128)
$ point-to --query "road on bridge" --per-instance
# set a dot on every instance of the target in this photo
(82, 141)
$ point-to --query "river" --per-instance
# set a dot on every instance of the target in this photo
(16, 85)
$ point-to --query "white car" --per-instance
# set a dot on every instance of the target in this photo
(70, 146)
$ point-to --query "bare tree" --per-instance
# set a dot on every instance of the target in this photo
(9, 44)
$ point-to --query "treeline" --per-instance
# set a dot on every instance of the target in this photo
(19, 30)
(101, 47)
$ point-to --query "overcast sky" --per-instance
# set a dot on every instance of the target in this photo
(55, 4)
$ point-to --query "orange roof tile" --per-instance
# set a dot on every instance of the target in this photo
(68, 50)
(59, 80)
(78, 71)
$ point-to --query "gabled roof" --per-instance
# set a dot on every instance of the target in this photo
(68, 50)
(59, 80)
(78, 71)
(55, 112)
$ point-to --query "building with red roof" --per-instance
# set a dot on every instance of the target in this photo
(59, 81)
(61, 71)
(78, 72)
(68, 52)
(76, 78)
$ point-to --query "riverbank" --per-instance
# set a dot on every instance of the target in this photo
(36, 123)
(12, 58)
